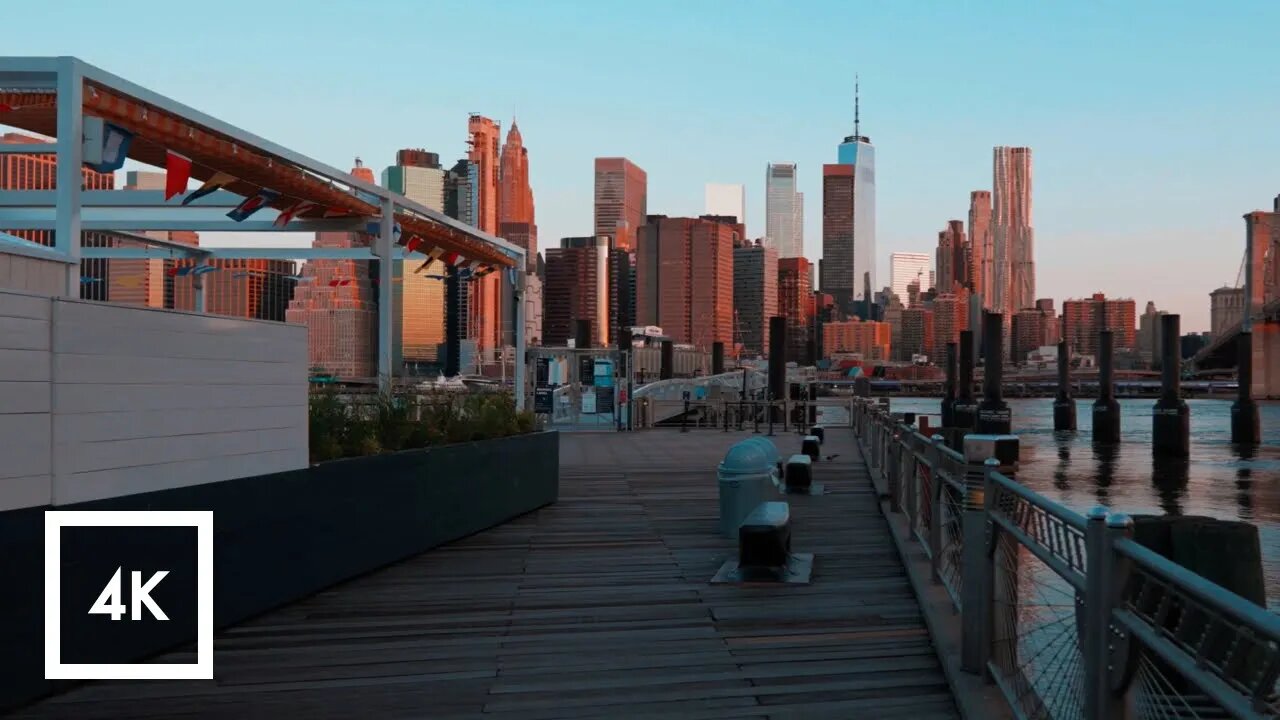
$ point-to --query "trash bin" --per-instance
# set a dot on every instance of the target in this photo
(771, 454)
(746, 480)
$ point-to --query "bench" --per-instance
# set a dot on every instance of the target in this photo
(764, 539)
(811, 446)
(819, 432)
(799, 473)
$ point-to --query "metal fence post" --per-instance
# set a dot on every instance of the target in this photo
(893, 476)
(909, 471)
(978, 566)
(876, 431)
(1105, 582)
(936, 489)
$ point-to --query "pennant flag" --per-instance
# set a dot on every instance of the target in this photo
(451, 258)
(432, 256)
(297, 278)
(253, 204)
(217, 182)
(177, 170)
(203, 269)
(296, 209)
(84, 280)
(336, 283)
(6, 107)
(337, 212)
(414, 242)
(115, 148)
(484, 270)
(178, 270)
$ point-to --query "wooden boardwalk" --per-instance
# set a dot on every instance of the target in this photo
(597, 607)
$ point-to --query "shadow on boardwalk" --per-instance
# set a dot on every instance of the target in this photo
(598, 606)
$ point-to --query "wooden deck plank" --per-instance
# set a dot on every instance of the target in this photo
(596, 607)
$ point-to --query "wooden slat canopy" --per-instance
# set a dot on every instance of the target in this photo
(156, 131)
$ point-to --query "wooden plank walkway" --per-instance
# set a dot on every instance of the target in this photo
(597, 607)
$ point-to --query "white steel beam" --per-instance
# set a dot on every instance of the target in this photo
(66, 226)
(246, 253)
(386, 247)
(198, 219)
(116, 198)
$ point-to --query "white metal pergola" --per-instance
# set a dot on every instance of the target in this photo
(70, 210)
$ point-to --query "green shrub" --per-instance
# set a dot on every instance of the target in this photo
(402, 421)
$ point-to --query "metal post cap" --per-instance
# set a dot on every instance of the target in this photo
(1097, 512)
(991, 463)
(1119, 520)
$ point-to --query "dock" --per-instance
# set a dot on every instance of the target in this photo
(597, 606)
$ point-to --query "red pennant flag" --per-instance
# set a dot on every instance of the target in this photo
(6, 107)
(336, 283)
(296, 209)
(413, 244)
(177, 170)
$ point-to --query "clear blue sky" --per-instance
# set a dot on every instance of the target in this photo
(1154, 124)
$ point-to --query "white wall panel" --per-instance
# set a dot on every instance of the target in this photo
(98, 400)
(25, 421)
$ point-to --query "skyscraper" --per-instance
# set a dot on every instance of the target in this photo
(953, 256)
(1083, 319)
(908, 267)
(858, 152)
(419, 297)
(780, 209)
(145, 283)
(798, 226)
(486, 304)
(20, 171)
(837, 278)
(684, 279)
(726, 200)
(621, 196)
(982, 252)
(576, 288)
(516, 224)
(1012, 230)
(796, 304)
(755, 295)
(335, 300)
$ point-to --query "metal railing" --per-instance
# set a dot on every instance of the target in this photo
(737, 414)
(1065, 613)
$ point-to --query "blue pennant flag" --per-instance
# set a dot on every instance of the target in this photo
(203, 269)
(115, 148)
(253, 204)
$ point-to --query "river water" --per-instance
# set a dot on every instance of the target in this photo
(1219, 480)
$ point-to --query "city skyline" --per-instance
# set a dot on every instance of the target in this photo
(1127, 100)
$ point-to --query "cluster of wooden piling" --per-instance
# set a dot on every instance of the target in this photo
(1171, 417)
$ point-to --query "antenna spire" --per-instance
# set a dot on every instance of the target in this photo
(857, 132)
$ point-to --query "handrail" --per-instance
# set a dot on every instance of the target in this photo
(1258, 619)
(1117, 614)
